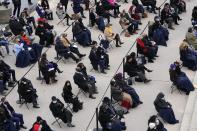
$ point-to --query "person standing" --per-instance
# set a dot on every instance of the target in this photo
(64, 3)
(17, 7)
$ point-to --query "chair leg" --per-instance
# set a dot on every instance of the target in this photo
(56, 121)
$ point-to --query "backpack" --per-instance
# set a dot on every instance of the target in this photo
(77, 105)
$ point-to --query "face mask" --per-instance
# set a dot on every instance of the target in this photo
(55, 101)
(68, 84)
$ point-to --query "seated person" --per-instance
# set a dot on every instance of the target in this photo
(64, 51)
(151, 3)
(133, 69)
(48, 69)
(15, 26)
(111, 5)
(5, 123)
(17, 118)
(62, 15)
(82, 34)
(154, 124)
(164, 109)
(42, 13)
(45, 35)
(73, 48)
(191, 38)
(120, 96)
(27, 92)
(158, 33)
(133, 22)
(5, 43)
(98, 20)
(84, 83)
(25, 24)
(29, 19)
(147, 47)
(102, 12)
(99, 58)
(46, 7)
(169, 16)
(126, 26)
(7, 72)
(120, 82)
(180, 79)
(110, 36)
(77, 8)
(108, 118)
(69, 97)
(23, 57)
(178, 5)
(194, 15)
(59, 111)
(136, 11)
(40, 125)
(188, 56)
(27, 39)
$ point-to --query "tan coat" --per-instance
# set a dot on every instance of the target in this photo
(191, 39)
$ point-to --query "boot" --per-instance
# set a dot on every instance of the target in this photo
(92, 97)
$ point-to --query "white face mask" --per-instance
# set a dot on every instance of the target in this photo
(68, 84)
(55, 101)
(157, 121)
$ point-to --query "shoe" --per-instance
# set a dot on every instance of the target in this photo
(60, 71)
(96, 92)
(149, 70)
(70, 125)
(22, 126)
(172, 28)
(82, 55)
(140, 102)
(36, 106)
(118, 46)
(187, 93)
(121, 43)
(151, 61)
(180, 19)
(103, 72)
(92, 97)
(30, 3)
(177, 121)
(176, 23)
(5, 88)
(146, 81)
(83, 16)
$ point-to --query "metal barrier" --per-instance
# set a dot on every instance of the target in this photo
(96, 112)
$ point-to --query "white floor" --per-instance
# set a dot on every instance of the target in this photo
(136, 120)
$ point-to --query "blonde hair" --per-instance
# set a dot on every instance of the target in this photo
(183, 45)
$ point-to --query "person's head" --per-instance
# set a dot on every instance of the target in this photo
(59, 6)
(80, 65)
(39, 119)
(118, 76)
(129, 59)
(67, 83)
(54, 99)
(167, 6)
(157, 19)
(183, 46)
(121, 15)
(190, 30)
(160, 95)
(123, 11)
(106, 100)
(133, 55)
